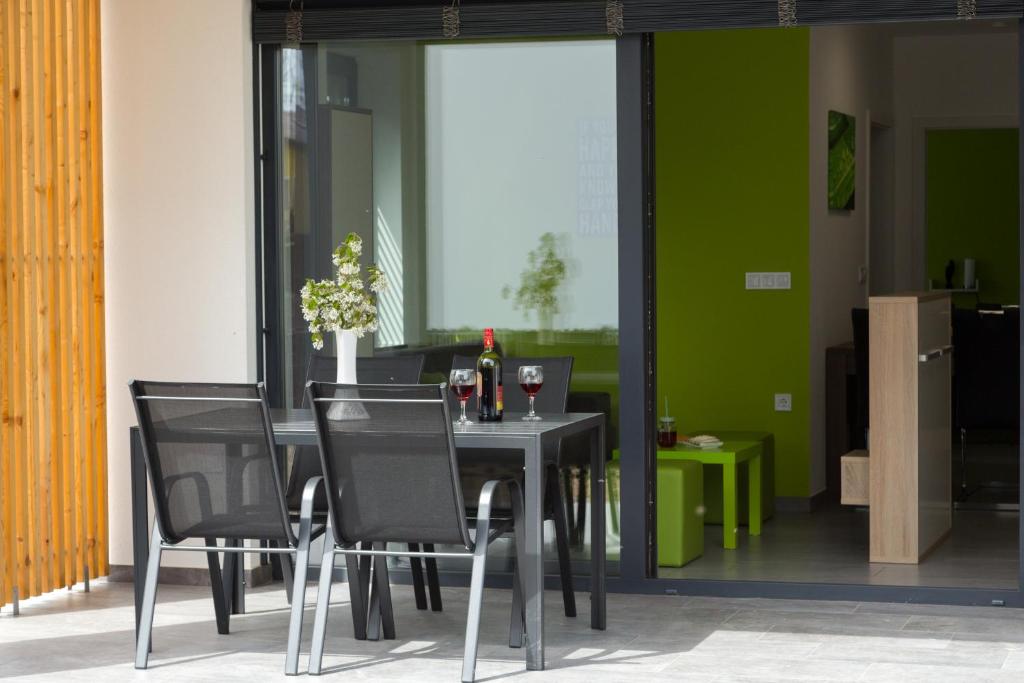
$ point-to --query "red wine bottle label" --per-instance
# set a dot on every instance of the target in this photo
(501, 398)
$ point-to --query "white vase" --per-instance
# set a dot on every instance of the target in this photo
(345, 342)
(969, 267)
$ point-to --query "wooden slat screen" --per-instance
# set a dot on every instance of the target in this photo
(53, 499)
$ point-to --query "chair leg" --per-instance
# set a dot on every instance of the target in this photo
(221, 596)
(476, 596)
(383, 585)
(562, 543)
(357, 597)
(148, 602)
(963, 464)
(368, 576)
(287, 573)
(323, 603)
(581, 509)
(291, 665)
(567, 492)
(516, 619)
(416, 569)
(433, 580)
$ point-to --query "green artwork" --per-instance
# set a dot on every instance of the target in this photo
(842, 160)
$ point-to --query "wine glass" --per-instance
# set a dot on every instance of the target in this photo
(531, 379)
(462, 383)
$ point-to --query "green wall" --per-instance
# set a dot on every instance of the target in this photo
(973, 209)
(731, 117)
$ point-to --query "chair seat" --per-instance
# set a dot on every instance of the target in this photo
(247, 524)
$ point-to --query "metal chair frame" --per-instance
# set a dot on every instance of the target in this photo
(555, 502)
(297, 545)
(378, 603)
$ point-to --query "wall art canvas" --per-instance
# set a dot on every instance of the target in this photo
(842, 161)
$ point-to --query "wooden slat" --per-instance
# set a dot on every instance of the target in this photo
(27, 518)
(88, 482)
(98, 296)
(63, 291)
(5, 273)
(12, 381)
(75, 341)
(53, 517)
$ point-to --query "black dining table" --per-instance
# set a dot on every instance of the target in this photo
(534, 438)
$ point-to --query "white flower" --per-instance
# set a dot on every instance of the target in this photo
(342, 303)
(379, 283)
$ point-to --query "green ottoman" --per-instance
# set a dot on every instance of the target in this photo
(713, 477)
(680, 500)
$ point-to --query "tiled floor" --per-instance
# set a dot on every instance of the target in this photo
(89, 637)
(831, 546)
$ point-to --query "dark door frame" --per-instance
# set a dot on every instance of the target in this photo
(637, 351)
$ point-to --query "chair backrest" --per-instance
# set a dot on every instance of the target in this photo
(209, 450)
(552, 398)
(388, 456)
(859, 318)
(324, 368)
(404, 369)
(986, 369)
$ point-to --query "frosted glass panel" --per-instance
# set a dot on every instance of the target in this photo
(520, 141)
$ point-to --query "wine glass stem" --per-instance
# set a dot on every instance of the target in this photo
(532, 414)
(463, 404)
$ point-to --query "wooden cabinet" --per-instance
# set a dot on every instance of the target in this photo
(910, 434)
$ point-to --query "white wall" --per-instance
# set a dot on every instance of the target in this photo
(178, 206)
(966, 80)
(850, 72)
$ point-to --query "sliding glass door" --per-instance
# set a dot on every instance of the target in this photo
(482, 178)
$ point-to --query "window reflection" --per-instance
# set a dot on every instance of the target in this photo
(482, 178)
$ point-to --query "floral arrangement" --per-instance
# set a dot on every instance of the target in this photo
(343, 303)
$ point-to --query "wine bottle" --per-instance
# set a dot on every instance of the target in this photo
(489, 392)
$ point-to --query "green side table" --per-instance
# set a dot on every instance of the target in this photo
(730, 456)
(680, 500)
(713, 476)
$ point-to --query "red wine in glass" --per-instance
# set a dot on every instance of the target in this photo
(531, 379)
(462, 382)
(531, 388)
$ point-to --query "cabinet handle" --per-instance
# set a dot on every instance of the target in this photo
(935, 353)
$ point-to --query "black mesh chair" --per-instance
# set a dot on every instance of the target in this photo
(481, 465)
(405, 369)
(392, 476)
(324, 368)
(214, 472)
(986, 381)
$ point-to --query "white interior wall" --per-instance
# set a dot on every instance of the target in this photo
(850, 72)
(178, 206)
(962, 80)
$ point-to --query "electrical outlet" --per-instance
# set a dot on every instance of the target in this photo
(783, 403)
(768, 280)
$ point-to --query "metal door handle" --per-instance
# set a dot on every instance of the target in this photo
(935, 353)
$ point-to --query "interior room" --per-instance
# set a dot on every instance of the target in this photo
(799, 175)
